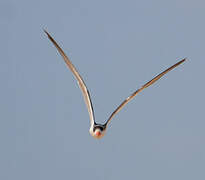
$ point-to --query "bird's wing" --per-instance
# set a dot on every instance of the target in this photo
(140, 89)
(81, 83)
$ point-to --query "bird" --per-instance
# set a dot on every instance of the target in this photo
(98, 130)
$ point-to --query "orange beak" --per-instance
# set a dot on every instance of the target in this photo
(98, 133)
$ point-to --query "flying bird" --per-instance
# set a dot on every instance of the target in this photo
(98, 130)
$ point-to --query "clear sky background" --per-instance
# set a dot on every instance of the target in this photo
(117, 46)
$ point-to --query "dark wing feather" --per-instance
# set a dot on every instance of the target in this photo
(143, 87)
(81, 83)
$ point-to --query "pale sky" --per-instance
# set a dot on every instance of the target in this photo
(117, 46)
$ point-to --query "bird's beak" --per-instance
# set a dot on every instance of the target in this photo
(98, 133)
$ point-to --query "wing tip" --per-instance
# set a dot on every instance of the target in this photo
(46, 32)
(49, 36)
(183, 59)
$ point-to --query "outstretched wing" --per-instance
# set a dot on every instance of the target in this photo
(81, 83)
(143, 87)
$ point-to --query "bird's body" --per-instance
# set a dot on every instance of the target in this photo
(98, 130)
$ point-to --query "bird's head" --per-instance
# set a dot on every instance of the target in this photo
(97, 131)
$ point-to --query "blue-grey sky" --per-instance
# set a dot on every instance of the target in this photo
(116, 46)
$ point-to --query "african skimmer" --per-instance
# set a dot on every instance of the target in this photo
(98, 130)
